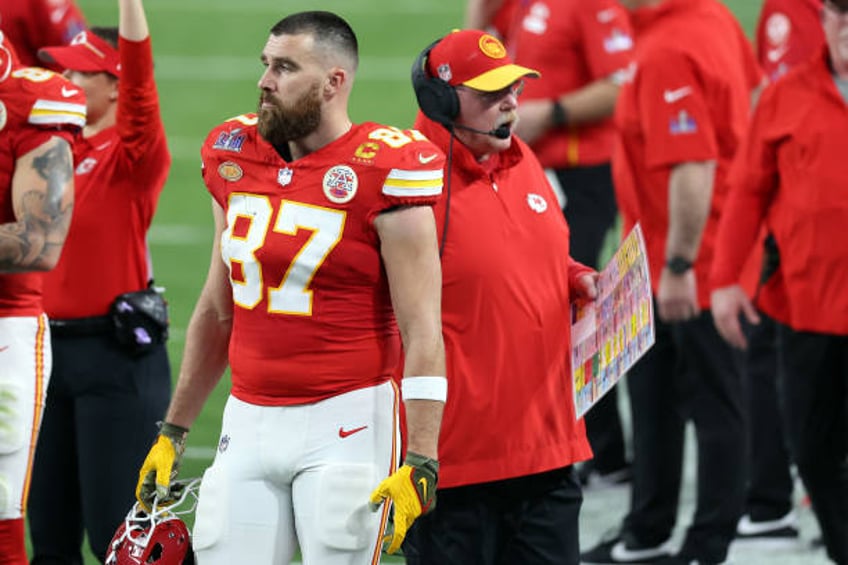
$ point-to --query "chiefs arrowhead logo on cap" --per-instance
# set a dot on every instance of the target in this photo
(492, 47)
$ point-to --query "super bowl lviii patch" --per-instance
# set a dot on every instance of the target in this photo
(682, 124)
(230, 141)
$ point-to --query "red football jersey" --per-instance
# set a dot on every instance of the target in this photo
(120, 173)
(35, 105)
(572, 43)
(313, 316)
(788, 32)
(33, 24)
(689, 100)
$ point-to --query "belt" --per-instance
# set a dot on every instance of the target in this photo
(81, 327)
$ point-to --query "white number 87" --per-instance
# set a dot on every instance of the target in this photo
(293, 295)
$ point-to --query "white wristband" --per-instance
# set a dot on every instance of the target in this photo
(424, 388)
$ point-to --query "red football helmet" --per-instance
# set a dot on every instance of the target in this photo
(157, 537)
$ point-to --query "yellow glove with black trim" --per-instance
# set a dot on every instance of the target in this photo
(161, 464)
(412, 491)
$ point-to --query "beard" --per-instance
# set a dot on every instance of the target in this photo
(279, 124)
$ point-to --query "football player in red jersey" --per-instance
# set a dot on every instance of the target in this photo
(105, 394)
(33, 24)
(39, 113)
(324, 262)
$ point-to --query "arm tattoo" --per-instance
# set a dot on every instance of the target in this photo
(44, 214)
(54, 167)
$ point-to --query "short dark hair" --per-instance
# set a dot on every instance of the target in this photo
(325, 27)
(107, 34)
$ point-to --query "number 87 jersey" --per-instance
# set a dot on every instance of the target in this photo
(312, 311)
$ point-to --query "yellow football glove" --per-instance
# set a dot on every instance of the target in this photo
(161, 464)
(412, 490)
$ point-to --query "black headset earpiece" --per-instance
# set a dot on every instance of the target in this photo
(436, 98)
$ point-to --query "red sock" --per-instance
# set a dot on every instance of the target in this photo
(12, 544)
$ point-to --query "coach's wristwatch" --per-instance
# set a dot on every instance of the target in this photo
(678, 265)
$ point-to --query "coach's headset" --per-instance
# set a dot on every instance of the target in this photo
(439, 101)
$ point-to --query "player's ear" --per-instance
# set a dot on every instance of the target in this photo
(337, 79)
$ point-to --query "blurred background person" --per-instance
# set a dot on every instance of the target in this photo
(106, 392)
(508, 491)
(790, 175)
(33, 24)
(788, 32)
(40, 113)
(494, 16)
(680, 118)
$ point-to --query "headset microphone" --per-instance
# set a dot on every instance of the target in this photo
(500, 132)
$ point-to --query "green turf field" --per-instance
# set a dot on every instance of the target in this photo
(207, 66)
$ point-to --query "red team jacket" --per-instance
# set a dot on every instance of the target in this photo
(507, 276)
(572, 43)
(688, 101)
(33, 24)
(120, 173)
(791, 174)
(312, 313)
(35, 105)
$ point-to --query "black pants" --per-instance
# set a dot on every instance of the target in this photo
(814, 377)
(691, 373)
(770, 481)
(590, 211)
(530, 520)
(99, 423)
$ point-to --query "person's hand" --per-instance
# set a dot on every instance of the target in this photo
(161, 465)
(677, 296)
(412, 490)
(587, 286)
(727, 303)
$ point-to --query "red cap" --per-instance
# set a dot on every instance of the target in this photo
(475, 59)
(86, 53)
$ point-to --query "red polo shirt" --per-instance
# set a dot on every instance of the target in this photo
(119, 175)
(791, 174)
(688, 101)
(507, 280)
(572, 43)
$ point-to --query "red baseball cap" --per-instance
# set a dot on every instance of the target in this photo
(86, 53)
(475, 59)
